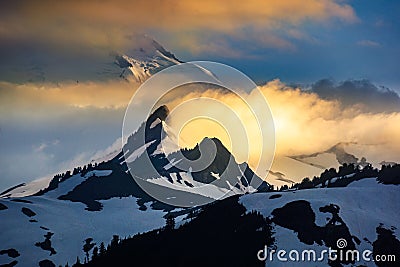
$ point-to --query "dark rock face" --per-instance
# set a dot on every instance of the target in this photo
(28, 212)
(3, 207)
(386, 244)
(46, 244)
(46, 263)
(12, 253)
(299, 217)
(162, 112)
(275, 196)
(117, 184)
(11, 264)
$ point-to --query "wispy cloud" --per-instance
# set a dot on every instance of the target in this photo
(368, 43)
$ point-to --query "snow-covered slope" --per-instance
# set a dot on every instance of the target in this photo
(70, 224)
(144, 57)
(287, 170)
(332, 157)
(363, 206)
(302, 224)
(28, 189)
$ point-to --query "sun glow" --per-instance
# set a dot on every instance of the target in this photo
(198, 128)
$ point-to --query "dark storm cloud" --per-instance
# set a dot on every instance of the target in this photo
(363, 93)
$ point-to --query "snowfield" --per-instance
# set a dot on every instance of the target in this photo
(364, 205)
(71, 225)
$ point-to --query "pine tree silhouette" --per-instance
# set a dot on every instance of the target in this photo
(102, 249)
(115, 241)
(95, 253)
(170, 222)
(87, 247)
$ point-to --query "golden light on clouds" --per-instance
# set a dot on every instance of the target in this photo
(106, 23)
(30, 96)
(304, 123)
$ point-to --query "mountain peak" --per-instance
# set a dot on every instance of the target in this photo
(161, 113)
(221, 149)
(145, 58)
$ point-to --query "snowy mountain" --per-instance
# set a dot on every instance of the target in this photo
(332, 157)
(287, 170)
(100, 200)
(361, 216)
(223, 176)
(144, 57)
(78, 211)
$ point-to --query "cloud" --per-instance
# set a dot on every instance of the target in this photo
(50, 127)
(44, 127)
(71, 25)
(41, 147)
(243, 44)
(368, 43)
(46, 138)
(40, 98)
(304, 122)
(362, 93)
(206, 44)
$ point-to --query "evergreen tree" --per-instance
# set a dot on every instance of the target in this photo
(87, 247)
(170, 222)
(115, 241)
(78, 262)
(102, 249)
(95, 253)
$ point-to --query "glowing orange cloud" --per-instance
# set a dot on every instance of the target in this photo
(106, 23)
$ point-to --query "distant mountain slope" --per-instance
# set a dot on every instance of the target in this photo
(144, 58)
(331, 158)
(287, 170)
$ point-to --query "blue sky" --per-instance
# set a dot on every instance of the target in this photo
(368, 48)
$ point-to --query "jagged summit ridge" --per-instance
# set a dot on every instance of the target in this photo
(145, 58)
